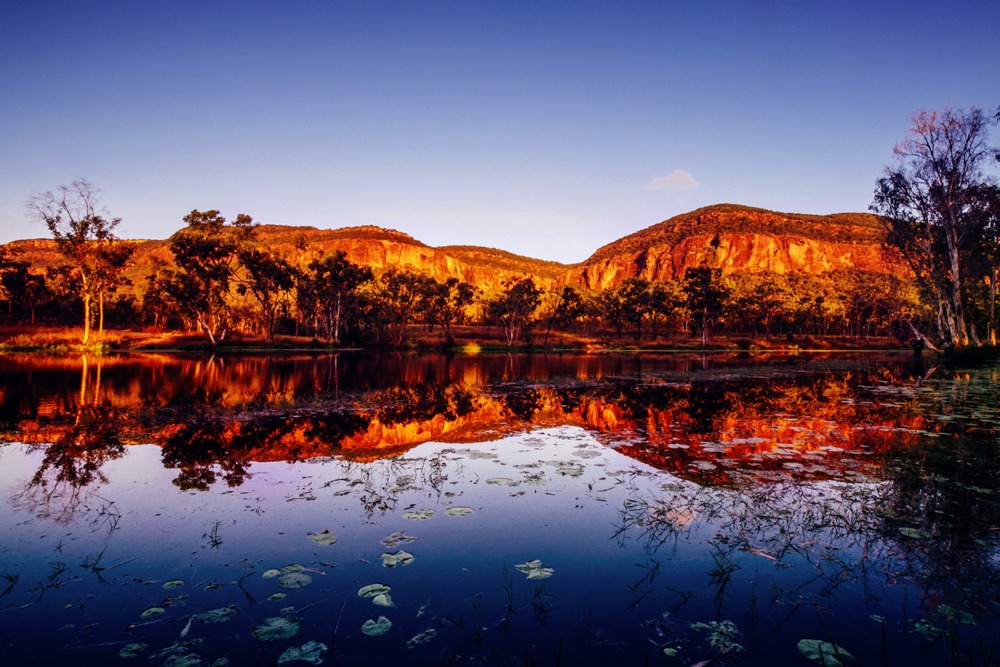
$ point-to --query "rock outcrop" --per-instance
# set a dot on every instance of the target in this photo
(736, 239)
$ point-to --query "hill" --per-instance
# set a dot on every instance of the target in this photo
(737, 239)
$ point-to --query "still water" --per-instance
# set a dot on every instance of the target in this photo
(368, 509)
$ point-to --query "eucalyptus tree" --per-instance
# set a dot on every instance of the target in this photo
(706, 296)
(80, 228)
(446, 301)
(399, 293)
(514, 308)
(328, 293)
(931, 205)
(270, 280)
(207, 256)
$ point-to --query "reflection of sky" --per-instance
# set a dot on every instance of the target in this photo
(570, 522)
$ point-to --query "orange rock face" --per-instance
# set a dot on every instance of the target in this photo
(733, 238)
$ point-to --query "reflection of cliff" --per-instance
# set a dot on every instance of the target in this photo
(213, 418)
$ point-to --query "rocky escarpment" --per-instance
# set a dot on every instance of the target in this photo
(739, 239)
(736, 239)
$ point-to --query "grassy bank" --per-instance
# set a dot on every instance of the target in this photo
(467, 338)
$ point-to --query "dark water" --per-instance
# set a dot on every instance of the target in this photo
(549, 510)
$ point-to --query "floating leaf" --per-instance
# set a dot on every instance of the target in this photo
(501, 481)
(915, 533)
(376, 628)
(275, 628)
(132, 650)
(323, 539)
(220, 615)
(153, 611)
(956, 615)
(277, 597)
(928, 629)
(459, 511)
(398, 538)
(421, 638)
(294, 580)
(399, 558)
(534, 570)
(371, 590)
(419, 515)
(294, 567)
(271, 574)
(383, 600)
(308, 652)
(173, 583)
(825, 653)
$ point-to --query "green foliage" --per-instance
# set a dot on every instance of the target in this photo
(941, 214)
(514, 309)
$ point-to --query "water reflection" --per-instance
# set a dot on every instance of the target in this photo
(847, 498)
(703, 418)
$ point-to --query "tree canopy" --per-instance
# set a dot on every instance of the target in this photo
(939, 209)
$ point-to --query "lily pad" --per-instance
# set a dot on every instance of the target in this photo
(153, 611)
(399, 558)
(220, 615)
(173, 583)
(459, 511)
(421, 638)
(501, 481)
(308, 652)
(419, 515)
(825, 653)
(277, 597)
(132, 650)
(275, 628)
(376, 628)
(383, 600)
(323, 539)
(371, 590)
(397, 538)
(271, 574)
(294, 580)
(914, 533)
(534, 570)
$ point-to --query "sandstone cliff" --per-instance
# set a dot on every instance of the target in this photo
(734, 238)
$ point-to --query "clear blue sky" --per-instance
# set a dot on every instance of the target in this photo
(546, 128)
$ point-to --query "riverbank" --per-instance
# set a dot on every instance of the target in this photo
(464, 339)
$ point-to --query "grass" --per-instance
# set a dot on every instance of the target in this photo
(470, 339)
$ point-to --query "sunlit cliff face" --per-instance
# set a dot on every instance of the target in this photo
(229, 414)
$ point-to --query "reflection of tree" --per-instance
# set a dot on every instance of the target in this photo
(943, 503)
(73, 462)
(423, 402)
(523, 402)
(201, 444)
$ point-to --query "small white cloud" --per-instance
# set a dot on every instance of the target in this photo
(678, 178)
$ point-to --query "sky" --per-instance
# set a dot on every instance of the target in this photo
(544, 128)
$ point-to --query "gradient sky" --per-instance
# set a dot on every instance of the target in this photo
(544, 128)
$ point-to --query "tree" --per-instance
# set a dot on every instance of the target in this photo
(447, 302)
(329, 290)
(269, 279)
(706, 295)
(111, 260)
(931, 205)
(207, 253)
(20, 288)
(399, 293)
(79, 227)
(635, 302)
(514, 308)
